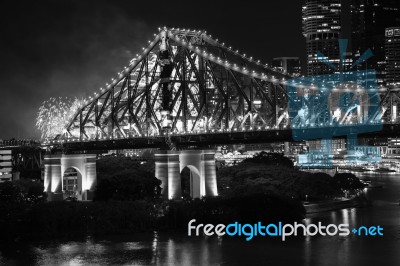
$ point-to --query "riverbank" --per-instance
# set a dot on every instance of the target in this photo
(335, 205)
(57, 220)
(176, 248)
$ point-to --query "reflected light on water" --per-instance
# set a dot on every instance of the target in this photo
(178, 249)
(345, 215)
(154, 247)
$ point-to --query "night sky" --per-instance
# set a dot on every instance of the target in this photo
(72, 48)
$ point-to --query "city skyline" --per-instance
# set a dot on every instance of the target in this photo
(162, 124)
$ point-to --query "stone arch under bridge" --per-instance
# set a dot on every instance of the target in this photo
(169, 165)
(55, 169)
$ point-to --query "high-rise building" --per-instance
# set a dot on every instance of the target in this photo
(322, 28)
(392, 47)
(288, 65)
(5, 165)
(369, 19)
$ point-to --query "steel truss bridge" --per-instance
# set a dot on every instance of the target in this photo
(215, 96)
(26, 156)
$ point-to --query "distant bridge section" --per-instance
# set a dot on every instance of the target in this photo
(25, 156)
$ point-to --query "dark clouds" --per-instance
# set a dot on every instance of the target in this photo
(71, 48)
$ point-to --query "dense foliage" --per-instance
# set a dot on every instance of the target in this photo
(122, 178)
(272, 159)
(348, 182)
(264, 188)
(275, 174)
(22, 191)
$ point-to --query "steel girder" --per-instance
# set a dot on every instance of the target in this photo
(213, 88)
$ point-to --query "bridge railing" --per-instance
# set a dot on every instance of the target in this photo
(221, 131)
(19, 142)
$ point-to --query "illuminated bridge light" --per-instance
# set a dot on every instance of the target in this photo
(222, 62)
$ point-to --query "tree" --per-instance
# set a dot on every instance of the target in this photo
(10, 193)
(276, 159)
(32, 191)
(22, 191)
(121, 178)
(348, 182)
(257, 176)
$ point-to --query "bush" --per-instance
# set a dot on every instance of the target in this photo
(23, 190)
(9, 192)
(275, 159)
(121, 178)
(348, 182)
(128, 185)
(251, 178)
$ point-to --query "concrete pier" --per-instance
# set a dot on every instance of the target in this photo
(169, 165)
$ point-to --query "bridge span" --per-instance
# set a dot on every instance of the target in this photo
(188, 91)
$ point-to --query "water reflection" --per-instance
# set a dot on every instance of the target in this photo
(160, 248)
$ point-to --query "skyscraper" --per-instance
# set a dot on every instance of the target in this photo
(392, 44)
(370, 18)
(288, 65)
(322, 27)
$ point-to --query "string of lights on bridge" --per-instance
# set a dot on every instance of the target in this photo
(214, 131)
(134, 62)
(203, 53)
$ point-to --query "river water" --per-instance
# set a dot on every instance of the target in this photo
(179, 249)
